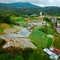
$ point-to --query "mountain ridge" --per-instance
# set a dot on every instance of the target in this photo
(28, 8)
(18, 4)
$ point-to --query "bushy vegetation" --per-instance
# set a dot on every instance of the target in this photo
(27, 54)
(1, 29)
(5, 19)
(47, 19)
(48, 30)
(56, 43)
(20, 21)
(16, 20)
(2, 42)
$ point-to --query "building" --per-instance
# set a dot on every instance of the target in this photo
(54, 21)
(41, 14)
(52, 53)
(58, 22)
(56, 51)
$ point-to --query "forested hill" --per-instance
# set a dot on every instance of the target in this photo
(52, 10)
(27, 9)
(17, 5)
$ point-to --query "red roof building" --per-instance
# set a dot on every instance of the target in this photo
(56, 51)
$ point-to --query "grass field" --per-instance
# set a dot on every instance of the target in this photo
(40, 39)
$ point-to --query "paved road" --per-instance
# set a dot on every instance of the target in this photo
(58, 30)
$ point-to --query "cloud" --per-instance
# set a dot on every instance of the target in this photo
(37, 2)
(10, 1)
(50, 2)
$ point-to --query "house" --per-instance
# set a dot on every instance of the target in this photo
(34, 15)
(51, 53)
(37, 23)
(58, 23)
(54, 21)
(56, 51)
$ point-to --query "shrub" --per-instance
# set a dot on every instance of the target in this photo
(2, 42)
(56, 42)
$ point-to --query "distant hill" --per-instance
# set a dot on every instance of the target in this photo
(17, 5)
(28, 9)
(19, 8)
(51, 10)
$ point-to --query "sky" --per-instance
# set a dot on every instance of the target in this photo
(41, 3)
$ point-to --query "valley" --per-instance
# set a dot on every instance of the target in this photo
(29, 32)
